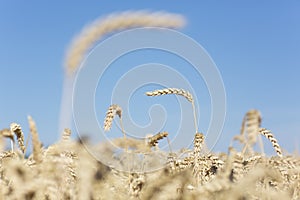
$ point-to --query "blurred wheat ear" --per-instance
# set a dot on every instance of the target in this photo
(180, 92)
(112, 23)
(37, 145)
(8, 134)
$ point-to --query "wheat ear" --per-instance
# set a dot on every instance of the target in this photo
(66, 134)
(198, 142)
(16, 128)
(37, 145)
(110, 114)
(251, 125)
(116, 22)
(9, 134)
(153, 141)
(268, 134)
(180, 92)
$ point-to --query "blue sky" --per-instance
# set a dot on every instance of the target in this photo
(255, 45)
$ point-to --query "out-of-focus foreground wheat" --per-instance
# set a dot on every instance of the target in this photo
(65, 170)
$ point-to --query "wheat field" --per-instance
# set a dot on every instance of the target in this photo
(66, 170)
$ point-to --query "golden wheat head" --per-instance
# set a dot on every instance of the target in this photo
(268, 134)
(153, 141)
(110, 114)
(16, 128)
(175, 91)
(116, 22)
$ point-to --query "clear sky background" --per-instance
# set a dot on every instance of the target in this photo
(255, 45)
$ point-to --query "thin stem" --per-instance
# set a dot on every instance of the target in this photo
(195, 116)
(12, 145)
(261, 145)
(124, 134)
(169, 144)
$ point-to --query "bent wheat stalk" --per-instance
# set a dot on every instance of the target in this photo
(268, 134)
(180, 92)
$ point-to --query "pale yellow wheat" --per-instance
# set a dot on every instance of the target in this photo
(110, 114)
(153, 141)
(180, 92)
(250, 126)
(268, 134)
(66, 134)
(16, 128)
(115, 22)
(198, 142)
(37, 146)
(8, 134)
(176, 91)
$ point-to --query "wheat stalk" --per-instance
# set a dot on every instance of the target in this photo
(115, 22)
(37, 146)
(16, 128)
(268, 134)
(180, 92)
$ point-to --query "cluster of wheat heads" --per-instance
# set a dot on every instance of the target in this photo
(66, 171)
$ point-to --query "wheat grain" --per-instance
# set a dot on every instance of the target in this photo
(116, 22)
(268, 134)
(16, 128)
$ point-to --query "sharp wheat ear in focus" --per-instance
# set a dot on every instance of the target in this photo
(268, 134)
(116, 22)
(180, 92)
(110, 114)
(176, 91)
